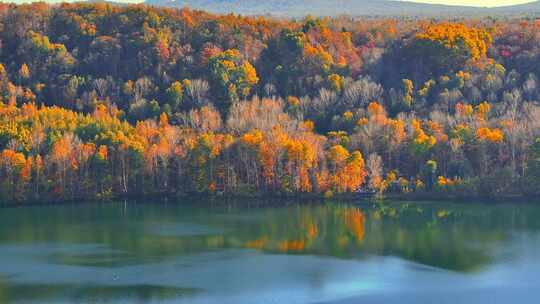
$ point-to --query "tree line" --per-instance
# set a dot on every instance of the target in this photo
(98, 100)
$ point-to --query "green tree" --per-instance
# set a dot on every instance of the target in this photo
(232, 77)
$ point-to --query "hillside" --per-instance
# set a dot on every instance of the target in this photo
(340, 7)
(100, 101)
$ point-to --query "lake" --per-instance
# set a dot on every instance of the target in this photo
(256, 252)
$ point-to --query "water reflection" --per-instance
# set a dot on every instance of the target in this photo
(54, 293)
(313, 229)
(456, 237)
(436, 237)
(184, 250)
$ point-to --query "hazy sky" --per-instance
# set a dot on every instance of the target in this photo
(450, 2)
(477, 2)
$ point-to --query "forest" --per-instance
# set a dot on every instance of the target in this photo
(100, 101)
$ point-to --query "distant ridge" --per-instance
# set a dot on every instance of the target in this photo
(533, 7)
(343, 7)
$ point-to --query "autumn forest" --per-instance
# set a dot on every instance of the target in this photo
(100, 101)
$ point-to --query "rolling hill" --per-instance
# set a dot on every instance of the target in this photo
(343, 7)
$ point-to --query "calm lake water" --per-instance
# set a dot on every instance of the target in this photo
(199, 252)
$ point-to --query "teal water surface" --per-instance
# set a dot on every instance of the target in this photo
(201, 252)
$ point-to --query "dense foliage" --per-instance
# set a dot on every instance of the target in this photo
(99, 100)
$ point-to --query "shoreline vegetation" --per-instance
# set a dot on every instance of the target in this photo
(99, 101)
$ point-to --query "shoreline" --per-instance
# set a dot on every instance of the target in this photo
(275, 199)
